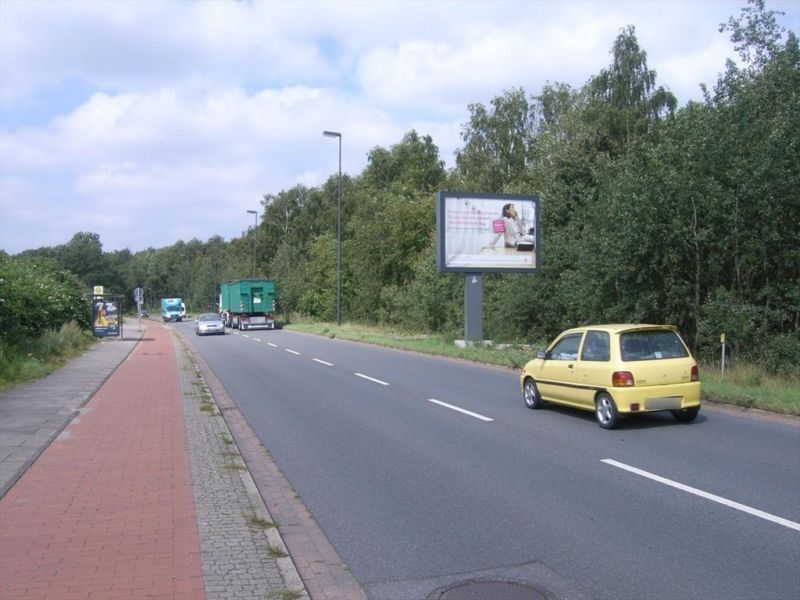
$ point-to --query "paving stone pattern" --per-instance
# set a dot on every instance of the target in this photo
(323, 573)
(243, 555)
(106, 511)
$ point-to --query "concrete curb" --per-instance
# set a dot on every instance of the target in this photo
(294, 586)
(319, 567)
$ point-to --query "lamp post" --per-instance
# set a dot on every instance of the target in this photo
(336, 134)
(255, 237)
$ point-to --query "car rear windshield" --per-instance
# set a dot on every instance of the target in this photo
(652, 345)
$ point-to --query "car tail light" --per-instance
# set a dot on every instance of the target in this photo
(695, 373)
(622, 379)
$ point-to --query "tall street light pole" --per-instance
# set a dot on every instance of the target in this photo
(336, 134)
(255, 237)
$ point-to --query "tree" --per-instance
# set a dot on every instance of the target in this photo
(391, 223)
(497, 143)
(625, 102)
(83, 255)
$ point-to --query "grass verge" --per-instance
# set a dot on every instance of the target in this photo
(743, 385)
(505, 355)
(27, 360)
(750, 387)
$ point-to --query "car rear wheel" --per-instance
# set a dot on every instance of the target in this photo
(606, 411)
(686, 415)
(531, 394)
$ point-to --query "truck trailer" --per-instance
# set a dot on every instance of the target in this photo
(171, 309)
(248, 303)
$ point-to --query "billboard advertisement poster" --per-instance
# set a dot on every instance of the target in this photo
(487, 232)
(106, 318)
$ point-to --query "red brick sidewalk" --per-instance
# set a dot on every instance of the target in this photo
(107, 510)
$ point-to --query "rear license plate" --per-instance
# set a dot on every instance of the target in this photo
(668, 403)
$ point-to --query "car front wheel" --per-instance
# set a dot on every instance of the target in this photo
(531, 394)
(606, 411)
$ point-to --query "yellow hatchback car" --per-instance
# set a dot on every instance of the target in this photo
(615, 370)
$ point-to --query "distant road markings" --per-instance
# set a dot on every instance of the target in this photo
(461, 410)
(322, 362)
(368, 378)
(271, 344)
(245, 335)
(720, 500)
(256, 339)
(292, 352)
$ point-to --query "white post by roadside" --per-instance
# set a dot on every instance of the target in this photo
(722, 341)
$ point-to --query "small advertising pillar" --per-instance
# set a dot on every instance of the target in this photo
(106, 313)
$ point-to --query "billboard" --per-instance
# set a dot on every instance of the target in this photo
(486, 233)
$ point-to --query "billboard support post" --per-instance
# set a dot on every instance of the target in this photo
(473, 307)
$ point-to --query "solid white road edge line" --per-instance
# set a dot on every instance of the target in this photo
(322, 362)
(730, 503)
(292, 352)
(367, 377)
(461, 410)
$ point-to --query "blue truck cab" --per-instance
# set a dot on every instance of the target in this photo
(171, 309)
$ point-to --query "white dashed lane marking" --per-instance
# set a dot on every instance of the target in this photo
(368, 378)
(461, 410)
(718, 499)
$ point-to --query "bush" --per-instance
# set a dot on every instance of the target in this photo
(743, 325)
(33, 358)
(748, 337)
(36, 296)
(782, 355)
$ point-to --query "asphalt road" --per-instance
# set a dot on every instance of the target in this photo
(419, 469)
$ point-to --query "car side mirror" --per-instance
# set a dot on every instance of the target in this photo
(543, 355)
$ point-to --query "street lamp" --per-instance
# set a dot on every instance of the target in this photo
(336, 134)
(255, 237)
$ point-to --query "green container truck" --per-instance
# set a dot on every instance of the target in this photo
(248, 303)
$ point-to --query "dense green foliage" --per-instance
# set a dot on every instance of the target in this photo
(38, 295)
(650, 213)
(45, 315)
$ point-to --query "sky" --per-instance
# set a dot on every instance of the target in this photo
(149, 121)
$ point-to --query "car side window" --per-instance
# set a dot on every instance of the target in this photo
(596, 347)
(566, 348)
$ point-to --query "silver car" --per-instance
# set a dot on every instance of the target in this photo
(209, 323)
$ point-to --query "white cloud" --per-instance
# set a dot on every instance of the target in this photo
(112, 111)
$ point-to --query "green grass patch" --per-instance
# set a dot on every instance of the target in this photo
(747, 386)
(259, 523)
(286, 594)
(742, 385)
(276, 552)
(506, 355)
(28, 360)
